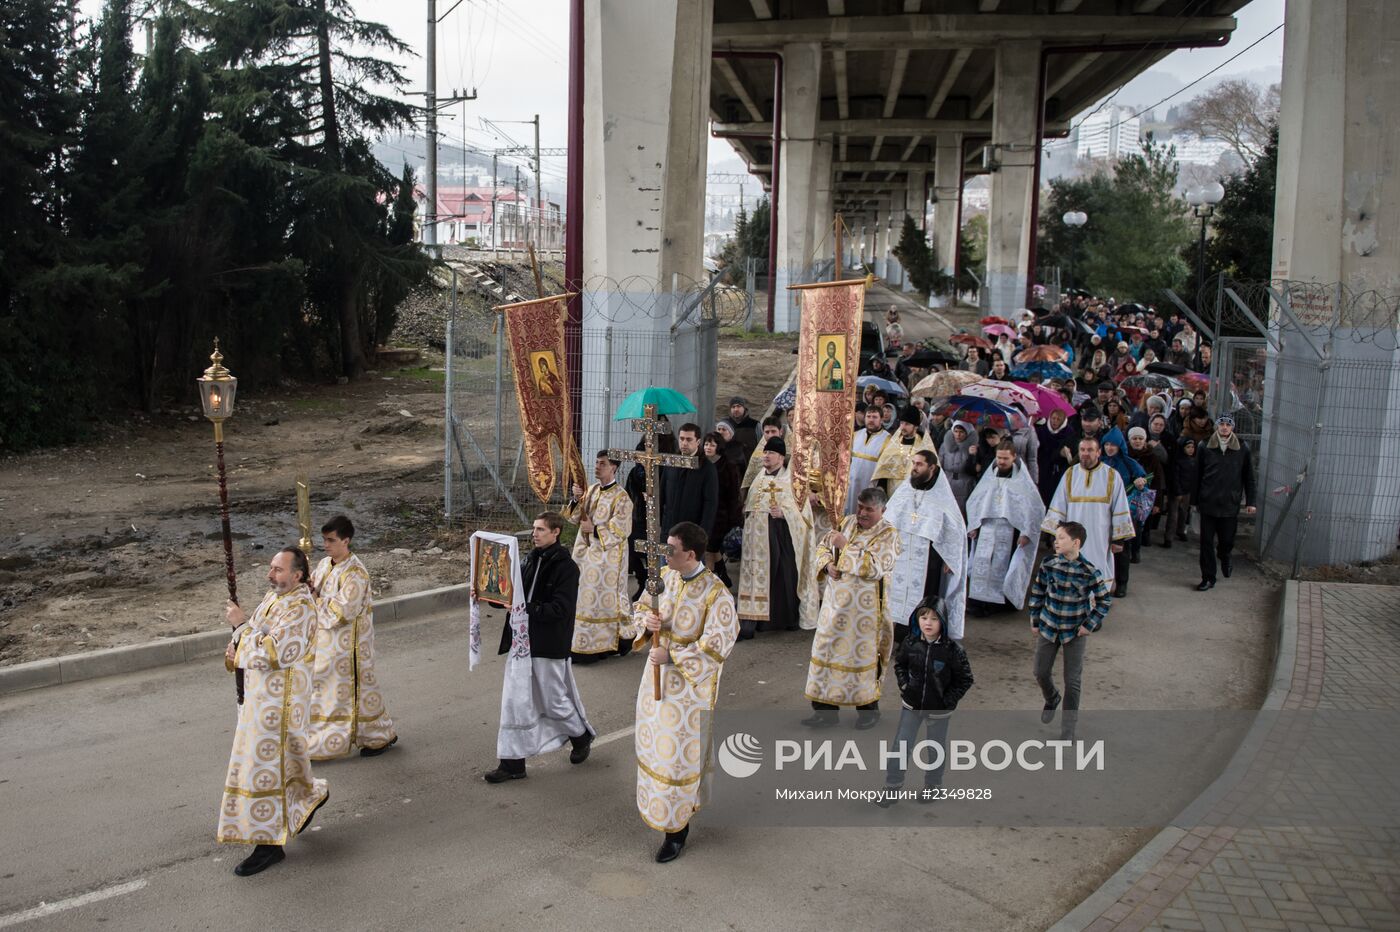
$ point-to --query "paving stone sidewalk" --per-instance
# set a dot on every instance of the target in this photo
(1302, 878)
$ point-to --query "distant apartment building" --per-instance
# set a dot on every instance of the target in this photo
(1199, 150)
(1110, 133)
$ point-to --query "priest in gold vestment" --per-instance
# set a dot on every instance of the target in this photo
(269, 793)
(603, 622)
(347, 708)
(895, 459)
(777, 583)
(854, 633)
(692, 631)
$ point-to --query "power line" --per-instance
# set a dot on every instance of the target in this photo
(1210, 72)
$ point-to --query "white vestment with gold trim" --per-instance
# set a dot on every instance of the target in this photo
(866, 448)
(604, 613)
(699, 628)
(1097, 499)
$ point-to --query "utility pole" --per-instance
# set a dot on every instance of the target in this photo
(430, 182)
(515, 233)
(493, 202)
(539, 199)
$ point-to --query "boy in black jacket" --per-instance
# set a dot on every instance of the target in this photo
(933, 675)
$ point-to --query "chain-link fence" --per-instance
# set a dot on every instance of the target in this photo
(635, 333)
(1311, 373)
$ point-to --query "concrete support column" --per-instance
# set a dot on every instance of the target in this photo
(824, 213)
(643, 194)
(917, 207)
(894, 269)
(1013, 184)
(880, 242)
(1335, 224)
(947, 190)
(797, 221)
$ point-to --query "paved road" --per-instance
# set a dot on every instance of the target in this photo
(109, 791)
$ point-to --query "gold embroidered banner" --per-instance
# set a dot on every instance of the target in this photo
(828, 359)
(535, 334)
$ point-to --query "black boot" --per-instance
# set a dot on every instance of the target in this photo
(1121, 592)
(1047, 714)
(624, 646)
(307, 824)
(508, 770)
(1205, 585)
(1225, 567)
(582, 745)
(867, 718)
(671, 847)
(263, 857)
(821, 718)
(375, 752)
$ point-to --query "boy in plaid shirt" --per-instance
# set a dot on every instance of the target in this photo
(1069, 599)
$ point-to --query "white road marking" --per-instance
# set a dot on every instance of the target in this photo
(614, 735)
(73, 902)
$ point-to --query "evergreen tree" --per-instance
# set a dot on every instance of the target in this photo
(915, 254)
(1243, 244)
(972, 247)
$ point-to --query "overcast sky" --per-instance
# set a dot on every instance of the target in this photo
(514, 53)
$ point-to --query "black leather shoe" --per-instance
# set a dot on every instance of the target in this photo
(624, 647)
(263, 857)
(1047, 714)
(1135, 558)
(866, 720)
(501, 775)
(1225, 568)
(582, 746)
(671, 848)
(1121, 592)
(820, 720)
(375, 752)
(886, 801)
(307, 824)
(1206, 584)
(1167, 542)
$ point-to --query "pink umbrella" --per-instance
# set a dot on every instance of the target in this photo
(1007, 393)
(1047, 399)
(998, 330)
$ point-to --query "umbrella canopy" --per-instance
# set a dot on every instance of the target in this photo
(1153, 382)
(885, 385)
(667, 401)
(1007, 393)
(999, 329)
(940, 384)
(969, 339)
(786, 400)
(981, 412)
(1165, 368)
(923, 358)
(1048, 400)
(1039, 371)
(1042, 353)
(1196, 381)
(993, 319)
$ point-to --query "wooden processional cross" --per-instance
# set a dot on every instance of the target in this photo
(654, 547)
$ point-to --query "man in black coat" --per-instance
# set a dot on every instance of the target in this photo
(745, 427)
(541, 709)
(689, 494)
(1224, 474)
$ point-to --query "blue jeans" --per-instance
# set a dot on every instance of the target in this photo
(905, 735)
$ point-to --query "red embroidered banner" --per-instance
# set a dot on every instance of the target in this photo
(535, 334)
(828, 359)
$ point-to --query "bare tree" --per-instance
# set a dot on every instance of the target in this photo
(1239, 112)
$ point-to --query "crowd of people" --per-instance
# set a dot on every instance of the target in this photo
(950, 496)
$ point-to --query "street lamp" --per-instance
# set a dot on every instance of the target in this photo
(217, 388)
(1074, 219)
(1203, 201)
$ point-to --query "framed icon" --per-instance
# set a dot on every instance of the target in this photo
(491, 573)
(544, 368)
(831, 363)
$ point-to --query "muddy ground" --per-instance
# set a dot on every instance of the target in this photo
(118, 542)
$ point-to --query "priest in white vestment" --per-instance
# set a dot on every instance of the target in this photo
(772, 427)
(603, 513)
(347, 708)
(777, 582)
(1004, 515)
(932, 564)
(269, 792)
(1093, 495)
(893, 466)
(693, 630)
(854, 635)
(866, 446)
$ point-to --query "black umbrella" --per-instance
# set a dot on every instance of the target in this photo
(1165, 368)
(924, 358)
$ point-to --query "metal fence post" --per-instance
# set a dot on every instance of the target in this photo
(500, 353)
(447, 402)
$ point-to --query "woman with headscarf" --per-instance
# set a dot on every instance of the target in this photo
(1153, 461)
(958, 457)
(1120, 358)
(1114, 415)
(1134, 477)
(1199, 427)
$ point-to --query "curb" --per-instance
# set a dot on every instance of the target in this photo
(1108, 893)
(55, 671)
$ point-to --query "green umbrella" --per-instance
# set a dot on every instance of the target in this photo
(667, 401)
